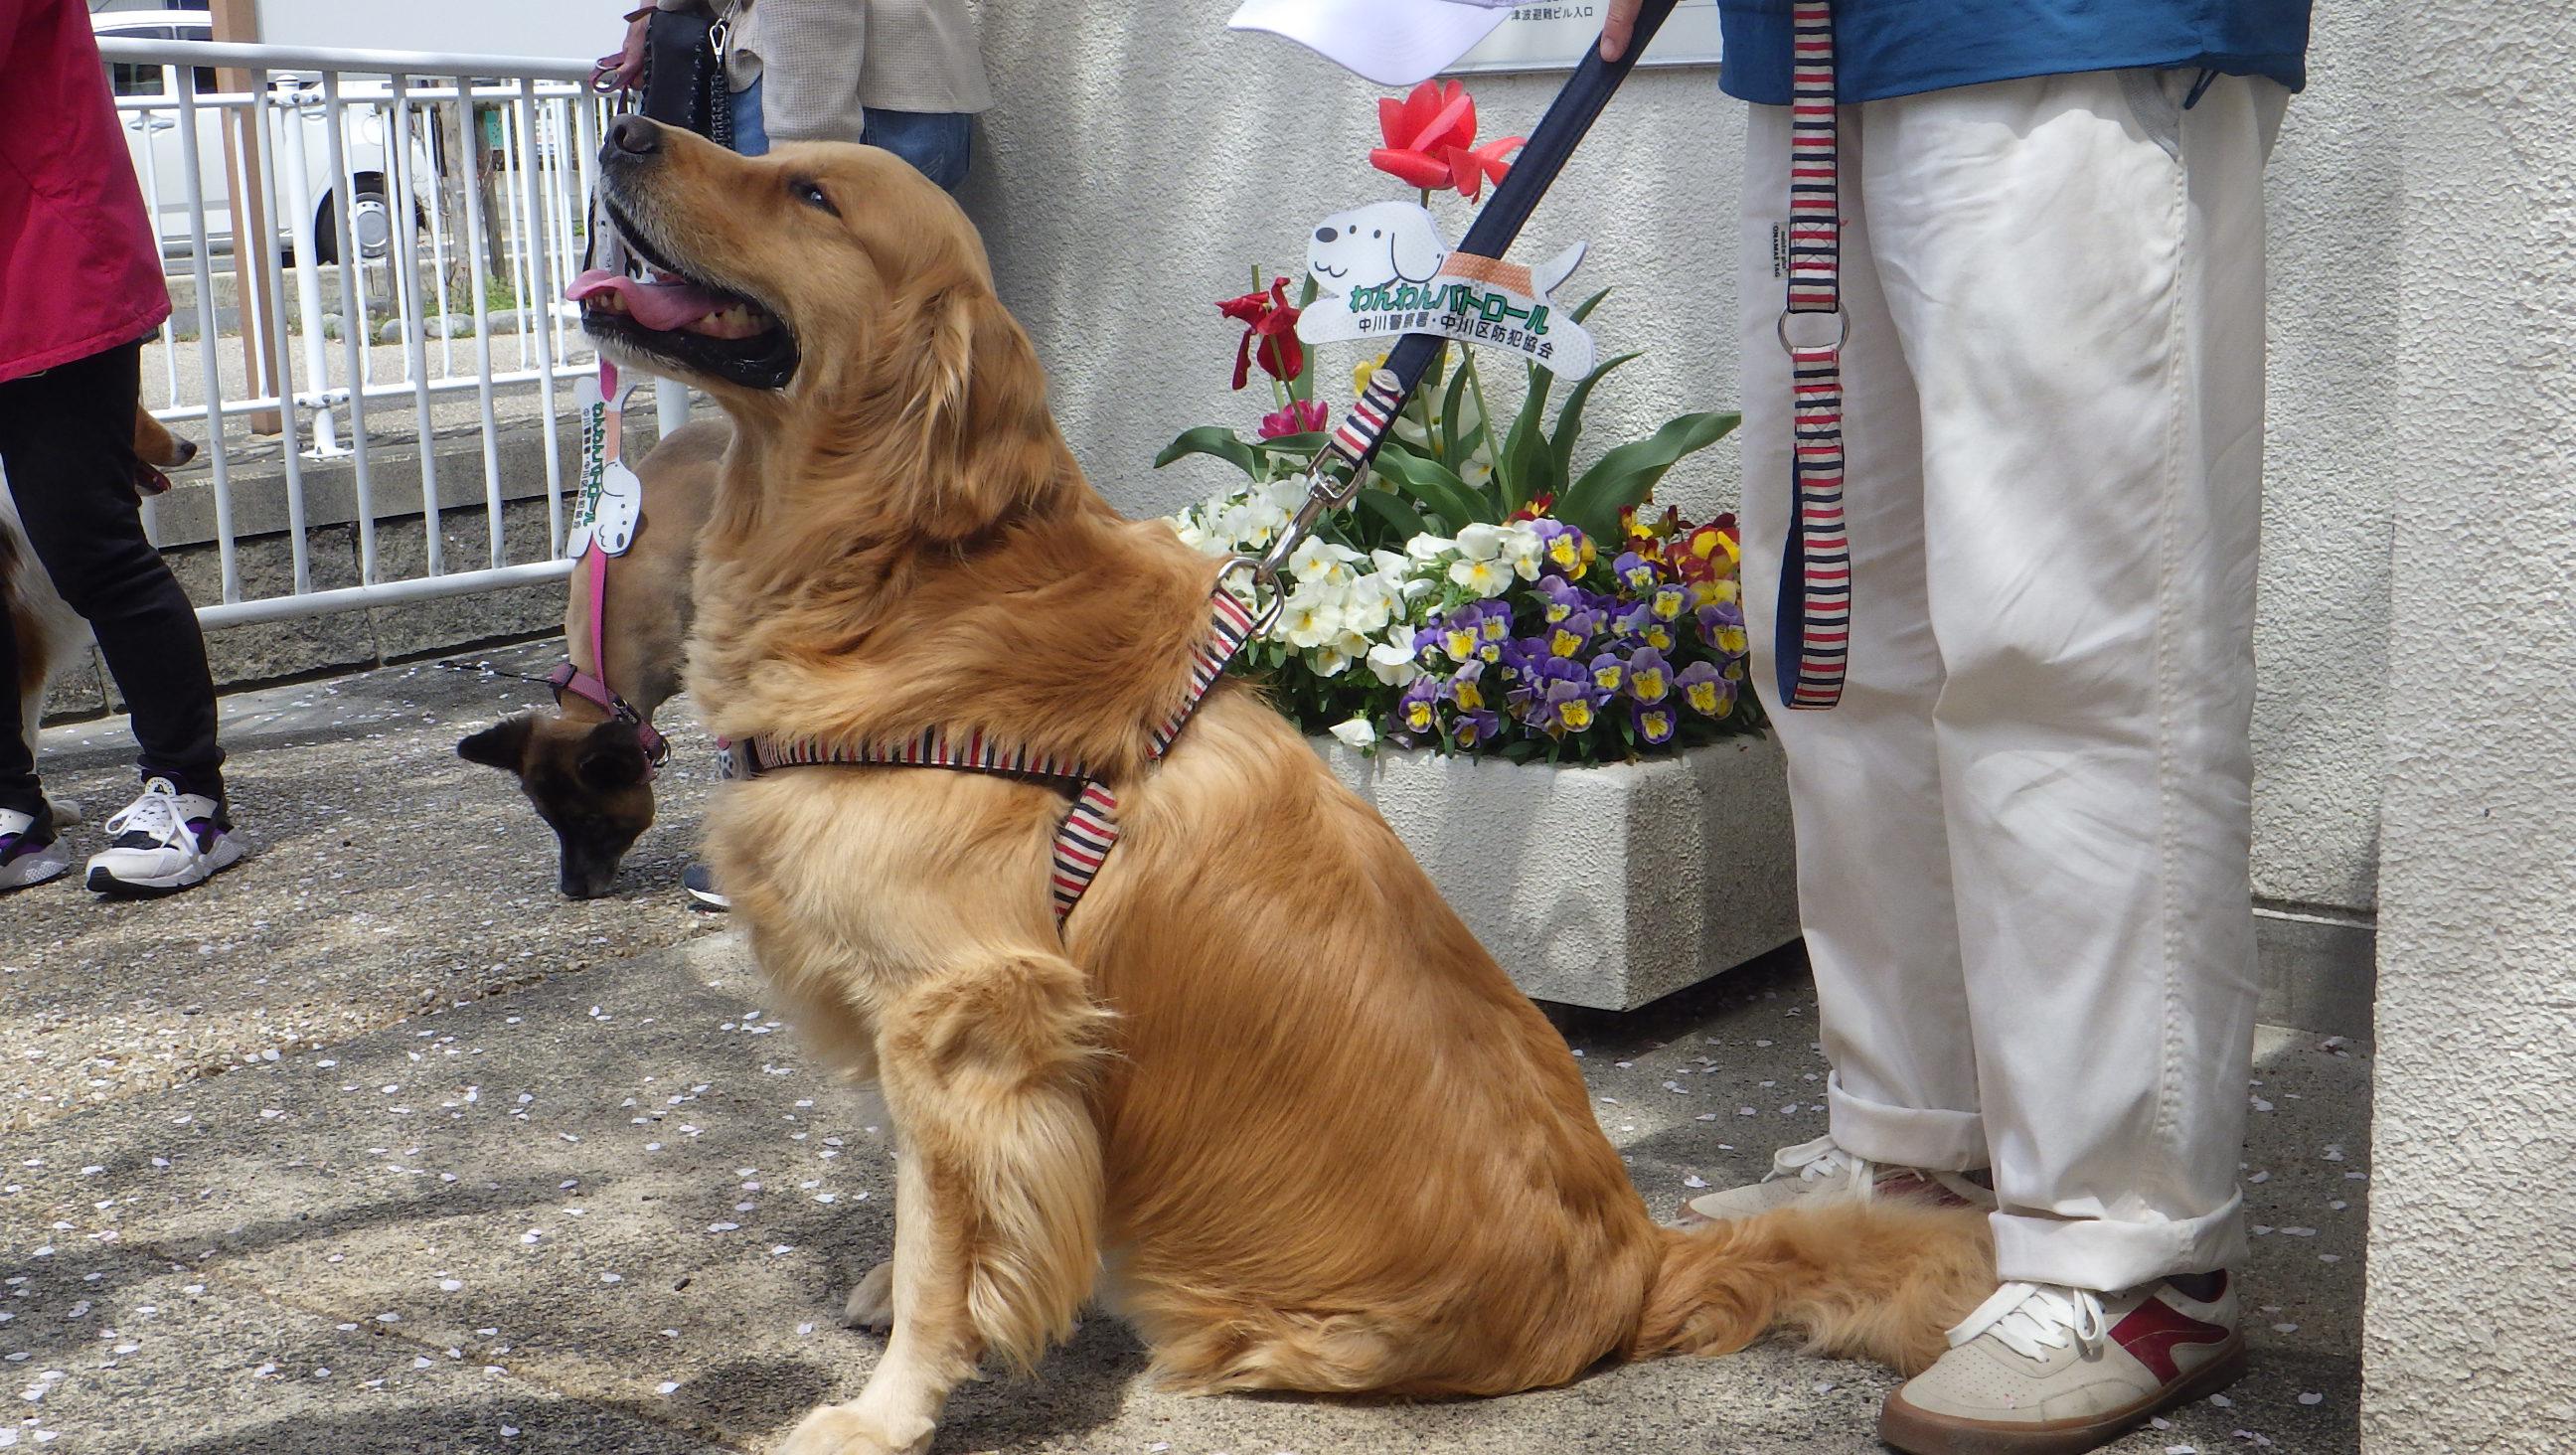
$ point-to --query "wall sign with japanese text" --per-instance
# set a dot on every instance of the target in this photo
(1552, 35)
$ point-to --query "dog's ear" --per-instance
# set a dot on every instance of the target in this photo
(1416, 246)
(979, 399)
(503, 745)
(611, 758)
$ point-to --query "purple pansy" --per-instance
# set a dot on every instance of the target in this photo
(1654, 722)
(1650, 677)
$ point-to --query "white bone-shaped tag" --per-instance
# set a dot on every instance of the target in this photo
(620, 508)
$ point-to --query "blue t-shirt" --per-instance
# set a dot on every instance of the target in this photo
(1886, 48)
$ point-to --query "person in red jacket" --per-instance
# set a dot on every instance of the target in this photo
(80, 285)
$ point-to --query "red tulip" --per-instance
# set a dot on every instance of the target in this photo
(1271, 319)
(1431, 140)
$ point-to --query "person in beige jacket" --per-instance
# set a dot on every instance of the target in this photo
(905, 75)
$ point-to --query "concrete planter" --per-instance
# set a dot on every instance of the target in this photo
(1604, 887)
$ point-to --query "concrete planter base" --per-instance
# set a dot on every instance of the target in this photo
(1604, 887)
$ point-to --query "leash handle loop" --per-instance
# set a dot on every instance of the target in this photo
(1812, 642)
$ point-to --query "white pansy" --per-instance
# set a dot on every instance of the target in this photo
(1480, 542)
(1394, 665)
(1329, 661)
(1286, 494)
(1390, 564)
(1523, 548)
(1357, 732)
(1370, 605)
(1195, 538)
(1312, 616)
(1487, 577)
(1428, 548)
(1318, 558)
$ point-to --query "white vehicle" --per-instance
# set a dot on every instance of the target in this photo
(153, 139)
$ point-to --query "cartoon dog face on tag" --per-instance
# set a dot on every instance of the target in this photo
(1372, 246)
(621, 506)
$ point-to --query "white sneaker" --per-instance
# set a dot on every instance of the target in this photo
(22, 860)
(700, 881)
(2040, 1369)
(163, 842)
(1824, 1169)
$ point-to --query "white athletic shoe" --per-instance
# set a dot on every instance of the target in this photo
(163, 842)
(1823, 1169)
(22, 860)
(700, 881)
(2040, 1369)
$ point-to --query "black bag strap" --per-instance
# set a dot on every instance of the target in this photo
(684, 72)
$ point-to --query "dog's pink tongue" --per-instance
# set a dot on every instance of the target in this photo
(657, 306)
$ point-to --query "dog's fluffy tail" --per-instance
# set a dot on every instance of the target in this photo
(1877, 1280)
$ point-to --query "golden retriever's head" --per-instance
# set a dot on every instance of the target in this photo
(831, 284)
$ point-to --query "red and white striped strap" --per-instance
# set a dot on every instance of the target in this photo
(1090, 827)
(1814, 636)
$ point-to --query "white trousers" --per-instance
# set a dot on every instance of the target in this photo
(2023, 837)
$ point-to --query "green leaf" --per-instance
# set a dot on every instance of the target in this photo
(1569, 420)
(1626, 475)
(1523, 462)
(1393, 513)
(1433, 486)
(1583, 310)
(1290, 444)
(1450, 408)
(1212, 439)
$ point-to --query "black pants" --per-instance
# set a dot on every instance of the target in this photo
(67, 443)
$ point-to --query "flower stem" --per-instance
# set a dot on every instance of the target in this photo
(1484, 416)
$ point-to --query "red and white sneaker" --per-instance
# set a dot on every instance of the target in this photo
(2043, 1370)
(1823, 1169)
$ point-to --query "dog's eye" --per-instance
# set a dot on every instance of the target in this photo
(811, 194)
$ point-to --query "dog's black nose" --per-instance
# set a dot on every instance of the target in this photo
(634, 135)
(1325, 234)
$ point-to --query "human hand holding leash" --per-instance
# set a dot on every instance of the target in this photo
(623, 68)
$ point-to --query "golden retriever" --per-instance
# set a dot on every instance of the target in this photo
(1263, 1093)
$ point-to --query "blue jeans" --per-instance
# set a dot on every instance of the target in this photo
(937, 143)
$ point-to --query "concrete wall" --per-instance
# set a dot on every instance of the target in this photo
(1135, 170)
(2472, 1245)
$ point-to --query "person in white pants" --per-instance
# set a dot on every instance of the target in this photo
(2023, 834)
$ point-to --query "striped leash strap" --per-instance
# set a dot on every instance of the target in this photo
(1090, 827)
(1813, 644)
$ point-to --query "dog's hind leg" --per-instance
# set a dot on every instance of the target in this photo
(987, 1069)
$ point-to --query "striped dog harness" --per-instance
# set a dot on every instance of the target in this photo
(1813, 644)
(1090, 827)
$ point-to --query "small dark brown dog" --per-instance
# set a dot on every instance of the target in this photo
(1262, 1092)
(581, 766)
(50, 635)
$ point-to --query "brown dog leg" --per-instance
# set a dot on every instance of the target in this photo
(997, 1195)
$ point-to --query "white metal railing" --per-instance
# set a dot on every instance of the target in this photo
(440, 280)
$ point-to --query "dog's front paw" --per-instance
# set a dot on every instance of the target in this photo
(871, 1304)
(843, 1429)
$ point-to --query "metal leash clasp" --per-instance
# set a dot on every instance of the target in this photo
(1327, 488)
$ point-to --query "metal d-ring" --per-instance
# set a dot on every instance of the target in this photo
(1841, 315)
(1265, 587)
